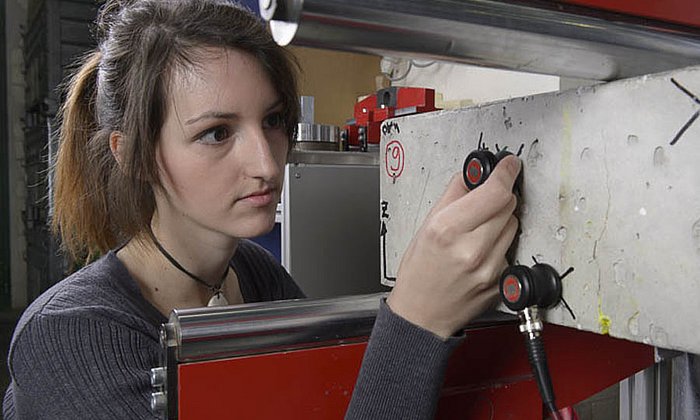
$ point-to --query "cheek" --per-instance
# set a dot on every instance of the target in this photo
(280, 150)
(183, 174)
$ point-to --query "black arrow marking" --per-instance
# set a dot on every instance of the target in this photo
(686, 91)
(383, 235)
(693, 118)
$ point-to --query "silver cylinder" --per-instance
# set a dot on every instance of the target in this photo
(317, 137)
(306, 104)
(318, 132)
(159, 402)
(214, 333)
(221, 332)
(489, 33)
(159, 377)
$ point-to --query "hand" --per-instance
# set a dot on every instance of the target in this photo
(448, 274)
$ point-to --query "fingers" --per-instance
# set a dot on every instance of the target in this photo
(503, 176)
(490, 271)
(486, 201)
(486, 234)
(494, 264)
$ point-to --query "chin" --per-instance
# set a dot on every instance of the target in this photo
(254, 228)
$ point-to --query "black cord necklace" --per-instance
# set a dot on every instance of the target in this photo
(218, 298)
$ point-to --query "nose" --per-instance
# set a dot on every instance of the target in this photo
(263, 160)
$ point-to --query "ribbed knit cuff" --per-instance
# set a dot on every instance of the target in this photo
(402, 371)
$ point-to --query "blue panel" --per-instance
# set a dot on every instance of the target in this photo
(251, 4)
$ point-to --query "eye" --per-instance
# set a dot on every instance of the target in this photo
(273, 121)
(215, 135)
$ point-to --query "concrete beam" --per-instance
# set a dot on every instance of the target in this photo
(611, 188)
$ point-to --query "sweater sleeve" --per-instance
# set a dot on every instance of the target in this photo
(402, 371)
(89, 369)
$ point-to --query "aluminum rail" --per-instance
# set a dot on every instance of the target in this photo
(215, 333)
(526, 36)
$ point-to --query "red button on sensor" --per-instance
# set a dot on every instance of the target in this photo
(511, 289)
(474, 171)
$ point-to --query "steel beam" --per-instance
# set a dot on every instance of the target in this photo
(539, 37)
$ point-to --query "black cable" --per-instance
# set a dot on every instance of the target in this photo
(555, 415)
(538, 363)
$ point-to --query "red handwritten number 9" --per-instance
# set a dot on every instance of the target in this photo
(396, 154)
(394, 159)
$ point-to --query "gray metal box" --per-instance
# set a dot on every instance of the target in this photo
(330, 222)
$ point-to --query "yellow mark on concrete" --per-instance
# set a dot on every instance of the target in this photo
(604, 321)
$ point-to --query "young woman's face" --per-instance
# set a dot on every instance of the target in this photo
(222, 148)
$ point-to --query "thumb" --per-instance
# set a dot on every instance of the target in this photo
(506, 172)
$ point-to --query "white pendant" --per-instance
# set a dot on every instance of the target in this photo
(218, 300)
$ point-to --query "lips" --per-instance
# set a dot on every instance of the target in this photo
(260, 198)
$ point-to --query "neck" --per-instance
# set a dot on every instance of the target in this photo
(215, 287)
(165, 286)
(204, 254)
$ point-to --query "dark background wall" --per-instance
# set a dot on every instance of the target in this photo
(5, 296)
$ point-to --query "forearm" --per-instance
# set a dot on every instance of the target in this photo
(402, 371)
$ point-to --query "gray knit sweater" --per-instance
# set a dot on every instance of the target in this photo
(84, 348)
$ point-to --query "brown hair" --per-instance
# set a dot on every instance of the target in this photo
(123, 86)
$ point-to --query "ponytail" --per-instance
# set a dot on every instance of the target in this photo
(82, 169)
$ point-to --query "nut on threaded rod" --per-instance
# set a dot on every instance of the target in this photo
(530, 322)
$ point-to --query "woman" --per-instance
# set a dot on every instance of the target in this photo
(174, 137)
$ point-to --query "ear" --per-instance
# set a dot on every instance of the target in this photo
(116, 145)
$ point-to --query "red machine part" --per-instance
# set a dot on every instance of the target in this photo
(685, 12)
(370, 112)
(488, 377)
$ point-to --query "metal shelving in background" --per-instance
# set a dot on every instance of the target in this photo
(58, 31)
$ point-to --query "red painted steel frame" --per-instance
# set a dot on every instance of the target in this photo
(488, 377)
(685, 12)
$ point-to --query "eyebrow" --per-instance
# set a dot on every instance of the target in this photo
(212, 115)
(225, 115)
